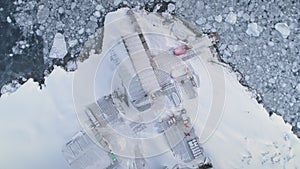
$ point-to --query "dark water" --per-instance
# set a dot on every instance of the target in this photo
(29, 64)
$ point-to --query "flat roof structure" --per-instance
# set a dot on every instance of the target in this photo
(95, 116)
(81, 153)
(141, 63)
(195, 148)
(108, 109)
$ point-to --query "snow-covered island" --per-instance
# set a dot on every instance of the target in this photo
(130, 116)
(177, 107)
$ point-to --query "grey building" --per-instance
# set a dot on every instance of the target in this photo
(81, 153)
(108, 110)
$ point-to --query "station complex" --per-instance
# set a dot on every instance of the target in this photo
(148, 114)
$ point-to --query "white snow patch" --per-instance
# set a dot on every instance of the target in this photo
(71, 66)
(99, 7)
(35, 123)
(171, 7)
(81, 31)
(10, 88)
(97, 14)
(218, 18)
(231, 18)
(250, 135)
(61, 10)
(73, 42)
(283, 29)
(8, 19)
(270, 43)
(59, 48)
(240, 13)
(298, 125)
(298, 87)
(201, 21)
(246, 16)
(42, 14)
(73, 5)
(253, 29)
(117, 2)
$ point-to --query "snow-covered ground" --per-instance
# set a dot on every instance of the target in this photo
(262, 44)
(44, 122)
(257, 37)
(35, 123)
(245, 136)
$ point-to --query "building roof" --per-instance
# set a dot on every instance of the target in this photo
(141, 63)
